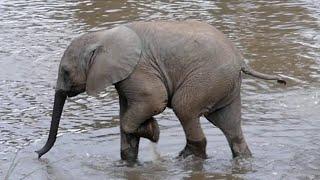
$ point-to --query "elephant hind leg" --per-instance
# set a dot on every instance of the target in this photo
(196, 140)
(188, 115)
(228, 119)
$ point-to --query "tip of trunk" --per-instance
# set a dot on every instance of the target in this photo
(45, 149)
(39, 153)
(59, 99)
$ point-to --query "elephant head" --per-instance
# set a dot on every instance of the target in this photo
(91, 63)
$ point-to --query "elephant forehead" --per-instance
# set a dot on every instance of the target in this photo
(76, 51)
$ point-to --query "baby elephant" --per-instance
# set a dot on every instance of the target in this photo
(188, 66)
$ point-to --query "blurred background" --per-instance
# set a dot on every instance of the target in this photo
(281, 123)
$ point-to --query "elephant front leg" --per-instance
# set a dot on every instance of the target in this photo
(138, 121)
(149, 130)
(129, 146)
(138, 105)
(130, 141)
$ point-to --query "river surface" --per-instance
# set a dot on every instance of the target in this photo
(281, 123)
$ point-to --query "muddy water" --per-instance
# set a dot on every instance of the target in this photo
(281, 124)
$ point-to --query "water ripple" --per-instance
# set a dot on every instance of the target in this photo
(281, 123)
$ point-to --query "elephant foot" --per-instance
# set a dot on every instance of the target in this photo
(129, 147)
(150, 130)
(196, 148)
(241, 151)
(239, 147)
(129, 155)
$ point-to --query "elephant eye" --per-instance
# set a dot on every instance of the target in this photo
(65, 72)
(92, 56)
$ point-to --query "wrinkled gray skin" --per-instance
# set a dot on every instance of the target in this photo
(188, 66)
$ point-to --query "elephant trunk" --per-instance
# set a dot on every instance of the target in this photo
(59, 100)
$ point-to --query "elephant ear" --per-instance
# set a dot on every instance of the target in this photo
(113, 59)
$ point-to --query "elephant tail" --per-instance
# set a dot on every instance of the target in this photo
(248, 70)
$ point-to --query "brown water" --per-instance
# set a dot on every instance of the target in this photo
(281, 124)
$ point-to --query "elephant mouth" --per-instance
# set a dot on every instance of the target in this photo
(76, 90)
(72, 93)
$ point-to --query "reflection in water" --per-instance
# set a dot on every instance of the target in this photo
(281, 123)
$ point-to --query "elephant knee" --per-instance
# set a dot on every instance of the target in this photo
(157, 105)
(128, 128)
(159, 108)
